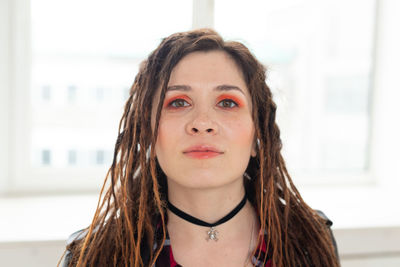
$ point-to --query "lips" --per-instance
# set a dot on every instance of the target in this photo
(202, 151)
(202, 148)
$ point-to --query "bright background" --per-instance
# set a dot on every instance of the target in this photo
(66, 68)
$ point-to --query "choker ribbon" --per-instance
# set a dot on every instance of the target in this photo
(212, 232)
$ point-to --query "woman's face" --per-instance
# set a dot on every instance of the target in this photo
(207, 107)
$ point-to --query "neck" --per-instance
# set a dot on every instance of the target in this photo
(209, 205)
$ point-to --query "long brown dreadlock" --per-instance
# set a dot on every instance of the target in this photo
(129, 225)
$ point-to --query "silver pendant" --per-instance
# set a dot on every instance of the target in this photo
(212, 234)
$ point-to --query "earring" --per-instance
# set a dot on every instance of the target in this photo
(256, 148)
(148, 152)
(247, 176)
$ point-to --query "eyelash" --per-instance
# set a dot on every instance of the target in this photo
(170, 104)
(229, 101)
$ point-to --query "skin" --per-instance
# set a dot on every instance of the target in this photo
(195, 112)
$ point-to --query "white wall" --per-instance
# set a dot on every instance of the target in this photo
(32, 254)
(350, 243)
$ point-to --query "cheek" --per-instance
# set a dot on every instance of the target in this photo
(167, 135)
(241, 131)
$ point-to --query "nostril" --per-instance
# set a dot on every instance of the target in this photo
(196, 130)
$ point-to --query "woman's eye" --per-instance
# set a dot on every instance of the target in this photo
(178, 103)
(228, 103)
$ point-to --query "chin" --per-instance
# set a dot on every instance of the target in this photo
(202, 181)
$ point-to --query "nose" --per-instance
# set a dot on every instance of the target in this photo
(202, 123)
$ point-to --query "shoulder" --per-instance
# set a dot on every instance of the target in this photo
(329, 223)
(76, 236)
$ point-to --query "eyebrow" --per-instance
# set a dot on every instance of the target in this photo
(222, 87)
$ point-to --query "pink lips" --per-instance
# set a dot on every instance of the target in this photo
(202, 152)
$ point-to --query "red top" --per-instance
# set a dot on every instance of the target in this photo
(166, 257)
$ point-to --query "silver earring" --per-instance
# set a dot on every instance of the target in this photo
(148, 152)
(247, 176)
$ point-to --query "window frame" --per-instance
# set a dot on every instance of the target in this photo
(5, 94)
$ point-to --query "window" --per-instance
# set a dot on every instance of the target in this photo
(72, 94)
(72, 157)
(81, 59)
(72, 74)
(319, 61)
(46, 157)
(46, 93)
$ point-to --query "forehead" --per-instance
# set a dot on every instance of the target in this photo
(207, 68)
(198, 70)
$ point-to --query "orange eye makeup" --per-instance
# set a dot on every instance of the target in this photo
(168, 103)
(238, 101)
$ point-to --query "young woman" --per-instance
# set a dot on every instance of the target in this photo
(197, 177)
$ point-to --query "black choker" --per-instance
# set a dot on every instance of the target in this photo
(212, 233)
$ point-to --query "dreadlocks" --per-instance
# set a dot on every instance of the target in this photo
(132, 203)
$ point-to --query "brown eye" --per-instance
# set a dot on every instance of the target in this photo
(228, 103)
(178, 103)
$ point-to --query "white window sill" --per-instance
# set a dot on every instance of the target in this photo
(365, 219)
(44, 218)
(358, 206)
